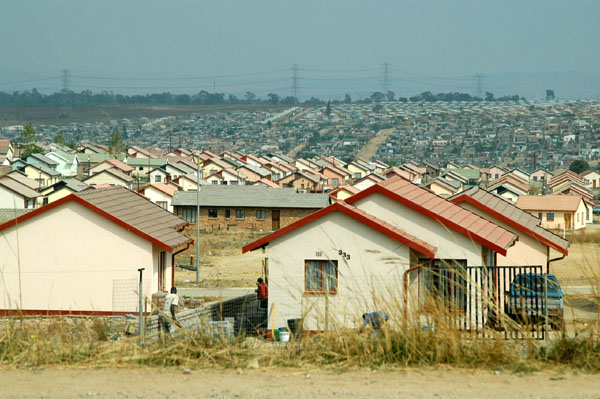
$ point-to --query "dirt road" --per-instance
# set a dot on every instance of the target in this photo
(370, 149)
(172, 383)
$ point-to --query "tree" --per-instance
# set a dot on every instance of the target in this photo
(250, 97)
(549, 94)
(348, 99)
(377, 97)
(579, 166)
(328, 109)
(489, 96)
(28, 133)
(390, 95)
(59, 138)
(273, 98)
(116, 145)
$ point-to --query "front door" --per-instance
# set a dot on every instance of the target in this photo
(161, 270)
(567, 221)
(275, 217)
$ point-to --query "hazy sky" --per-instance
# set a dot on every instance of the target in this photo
(330, 40)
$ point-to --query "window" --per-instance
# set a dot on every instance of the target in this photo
(320, 276)
(240, 213)
(542, 178)
(157, 178)
(550, 216)
(189, 214)
(357, 175)
(213, 171)
(540, 215)
(586, 181)
(141, 168)
(212, 213)
(261, 214)
(496, 176)
(215, 182)
(234, 182)
(444, 283)
(227, 213)
(162, 204)
(534, 178)
(335, 181)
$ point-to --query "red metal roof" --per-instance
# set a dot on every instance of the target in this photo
(450, 215)
(358, 214)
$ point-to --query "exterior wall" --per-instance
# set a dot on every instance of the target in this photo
(12, 200)
(286, 217)
(105, 178)
(577, 222)
(209, 169)
(495, 171)
(155, 195)
(332, 175)
(100, 168)
(540, 177)
(56, 195)
(188, 185)
(249, 175)
(509, 195)
(440, 190)
(78, 271)
(527, 251)
(163, 177)
(592, 180)
(35, 174)
(376, 265)
(363, 185)
(450, 244)
(355, 170)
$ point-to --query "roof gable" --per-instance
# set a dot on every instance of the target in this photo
(358, 214)
(447, 213)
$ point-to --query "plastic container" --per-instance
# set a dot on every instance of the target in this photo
(284, 336)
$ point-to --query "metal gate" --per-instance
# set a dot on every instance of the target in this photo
(492, 301)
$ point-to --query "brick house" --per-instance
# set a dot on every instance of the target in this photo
(246, 207)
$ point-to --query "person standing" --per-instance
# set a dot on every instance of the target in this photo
(262, 293)
(169, 312)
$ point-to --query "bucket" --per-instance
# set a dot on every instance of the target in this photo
(284, 336)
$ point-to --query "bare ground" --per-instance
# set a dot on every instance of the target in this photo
(370, 149)
(271, 383)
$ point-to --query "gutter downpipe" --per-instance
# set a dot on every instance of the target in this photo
(554, 260)
(173, 262)
(406, 284)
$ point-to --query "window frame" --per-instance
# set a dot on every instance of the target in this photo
(550, 216)
(335, 181)
(239, 212)
(188, 211)
(161, 203)
(457, 300)
(263, 212)
(321, 290)
(216, 213)
(227, 213)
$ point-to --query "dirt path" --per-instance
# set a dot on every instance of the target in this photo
(294, 152)
(370, 149)
(173, 383)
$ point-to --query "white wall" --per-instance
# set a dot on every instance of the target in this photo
(368, 281)
(155, 195)
(10, 200)
(71, 258)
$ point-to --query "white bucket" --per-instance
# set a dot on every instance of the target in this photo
(284, 336)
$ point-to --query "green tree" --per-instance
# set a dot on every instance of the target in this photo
(28, 133)
(328, 109)
(59, 138)
(579, 166)
(116, 145)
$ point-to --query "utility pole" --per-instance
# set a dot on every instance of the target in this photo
(479, 85)
(386, 80)
(198, 224)
(65, 80)
(141, 309)
(295, 79)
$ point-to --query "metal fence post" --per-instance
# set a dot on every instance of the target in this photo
(545, 306)
(141, 309)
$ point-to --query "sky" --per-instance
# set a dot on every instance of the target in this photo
(233, 46)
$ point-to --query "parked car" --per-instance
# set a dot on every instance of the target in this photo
(596, 210)
(525, 300)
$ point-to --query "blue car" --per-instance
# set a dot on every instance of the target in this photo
(525, 300)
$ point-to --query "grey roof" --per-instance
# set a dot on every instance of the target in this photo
(251, 196)
(131, 161)
(44, 159)
(7, 214)
(23, 179)
(19, 188)
(75, 185)
(44, 168)
(97, 158)
(262, 172)
(136, 211)
(516, 214)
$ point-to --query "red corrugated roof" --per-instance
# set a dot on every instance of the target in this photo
(450, 215)
(358, 214)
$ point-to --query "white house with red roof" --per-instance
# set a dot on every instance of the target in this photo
(81, 254)
(348, 258)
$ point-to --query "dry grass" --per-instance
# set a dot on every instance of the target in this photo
(585, 236)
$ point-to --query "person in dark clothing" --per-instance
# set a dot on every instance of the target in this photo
(262, 293)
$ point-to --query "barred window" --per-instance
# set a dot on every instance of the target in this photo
(321, 276)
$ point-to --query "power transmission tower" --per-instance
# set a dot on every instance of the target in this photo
(386, 81)
(65, 80)
(295, 79)
(479, 85)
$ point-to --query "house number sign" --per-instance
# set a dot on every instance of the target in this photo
(344, 254)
